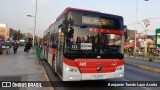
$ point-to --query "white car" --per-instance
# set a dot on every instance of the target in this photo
(22, 41)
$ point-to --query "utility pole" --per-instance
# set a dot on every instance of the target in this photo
(35, 18)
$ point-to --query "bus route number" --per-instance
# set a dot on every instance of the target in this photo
(74, 47)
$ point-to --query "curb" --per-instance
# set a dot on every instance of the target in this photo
(46, 77)
(145, 59)
(45, 73)
(145, 67)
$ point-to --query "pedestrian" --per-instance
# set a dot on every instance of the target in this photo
(15, 47)
(129, 51)
(0, 49)
(28, 46)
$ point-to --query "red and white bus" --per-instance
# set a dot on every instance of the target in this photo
(85, 45)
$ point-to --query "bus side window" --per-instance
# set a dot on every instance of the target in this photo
(54, 39)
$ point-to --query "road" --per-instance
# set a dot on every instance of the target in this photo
(132, 73)
(140, 73)
(142, 62)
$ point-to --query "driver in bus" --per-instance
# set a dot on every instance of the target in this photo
(69, 39)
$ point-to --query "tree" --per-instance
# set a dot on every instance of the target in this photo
(15, 35)
(18, 35)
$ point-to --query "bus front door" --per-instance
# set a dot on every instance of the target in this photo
(59, 62)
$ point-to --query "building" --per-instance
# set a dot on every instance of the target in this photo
(130, 34)
(4, 32)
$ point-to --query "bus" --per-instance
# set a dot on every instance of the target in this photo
(85, 45)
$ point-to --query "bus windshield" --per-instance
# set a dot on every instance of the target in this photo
(87, 41)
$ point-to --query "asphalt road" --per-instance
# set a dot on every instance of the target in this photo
(131, 74)
(142, 62)
(138, 74)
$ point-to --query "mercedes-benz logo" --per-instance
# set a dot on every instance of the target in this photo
(99, 68)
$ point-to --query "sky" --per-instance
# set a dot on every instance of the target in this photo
(14, 12)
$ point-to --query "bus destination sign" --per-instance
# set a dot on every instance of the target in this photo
(97, 21)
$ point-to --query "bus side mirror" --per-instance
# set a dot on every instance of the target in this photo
(71, 21)
(71, 32)
(65, 27)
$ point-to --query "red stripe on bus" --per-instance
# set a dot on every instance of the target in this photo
(111, 31)
(94, 70)
(69, 8)
(91, 65)
(70, 62)
(120, 62)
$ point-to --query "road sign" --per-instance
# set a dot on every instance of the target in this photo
(157, 40)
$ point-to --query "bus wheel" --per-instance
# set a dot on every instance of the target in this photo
(54, 66)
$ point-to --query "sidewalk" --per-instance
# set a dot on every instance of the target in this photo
(21, 67)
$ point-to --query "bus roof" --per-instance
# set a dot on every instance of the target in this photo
(69, 8)
(66, 10)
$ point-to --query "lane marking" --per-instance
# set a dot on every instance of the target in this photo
(145, 67)
(149, 68)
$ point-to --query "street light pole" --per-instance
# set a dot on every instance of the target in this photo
(35, 18)
(135, 33)
(135, 46)
(34, 26)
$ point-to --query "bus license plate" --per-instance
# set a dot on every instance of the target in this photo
(97, 77)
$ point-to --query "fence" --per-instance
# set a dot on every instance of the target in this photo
(38, 53)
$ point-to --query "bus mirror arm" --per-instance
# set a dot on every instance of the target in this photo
(65, 32)
(65, 27)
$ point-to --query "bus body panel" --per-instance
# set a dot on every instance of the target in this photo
(52, 52)
(73, 74)
(81, 68)
(92, 65)
(50, 56)
(45, 52)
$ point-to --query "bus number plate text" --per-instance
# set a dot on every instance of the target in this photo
(97, 77)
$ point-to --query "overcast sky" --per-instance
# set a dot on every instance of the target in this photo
(14, 12)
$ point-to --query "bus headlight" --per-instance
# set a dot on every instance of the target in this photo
(71, 69)
(120, 68)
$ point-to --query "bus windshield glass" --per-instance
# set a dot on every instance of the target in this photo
(87, 41)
